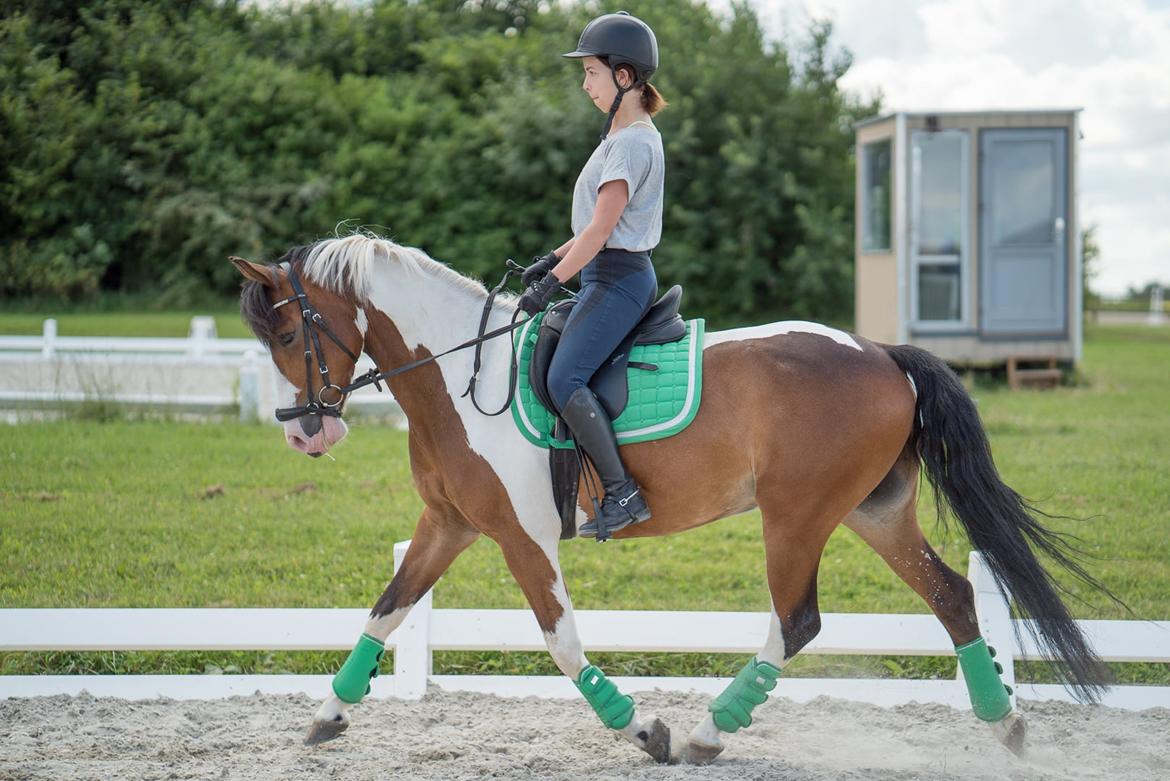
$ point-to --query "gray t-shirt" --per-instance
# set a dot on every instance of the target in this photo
(634, 153)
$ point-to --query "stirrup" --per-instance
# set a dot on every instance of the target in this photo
(594, 526)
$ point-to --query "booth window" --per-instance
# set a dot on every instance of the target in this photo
(875, 196)
(940, 213)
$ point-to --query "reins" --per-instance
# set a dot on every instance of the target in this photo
(481, 338)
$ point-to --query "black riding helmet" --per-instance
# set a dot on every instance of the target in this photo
(622, 40)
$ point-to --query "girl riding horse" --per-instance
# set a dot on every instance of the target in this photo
(617, 222)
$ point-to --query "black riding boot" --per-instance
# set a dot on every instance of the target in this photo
(593, 431)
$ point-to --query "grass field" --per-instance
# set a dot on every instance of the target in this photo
(169, 323)
(119, 514)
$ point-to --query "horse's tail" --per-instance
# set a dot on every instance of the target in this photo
(1001, 524)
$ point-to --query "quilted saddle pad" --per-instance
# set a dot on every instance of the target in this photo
(661, 403)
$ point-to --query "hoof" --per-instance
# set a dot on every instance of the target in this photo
(701, 754)
(658, 741)
(322, 731)
(1011, 731)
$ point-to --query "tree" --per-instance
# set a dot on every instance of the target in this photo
(1090, 259)
(142, 143)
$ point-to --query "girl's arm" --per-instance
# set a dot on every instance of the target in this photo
(563, 250)
(611, 201)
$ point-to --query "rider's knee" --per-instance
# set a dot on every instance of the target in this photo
(561, 384)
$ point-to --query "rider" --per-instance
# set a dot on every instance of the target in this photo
(617, 222)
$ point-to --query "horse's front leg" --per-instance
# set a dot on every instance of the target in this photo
(437, 540)
(537, 570)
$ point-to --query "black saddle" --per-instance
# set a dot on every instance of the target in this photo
(660, 325)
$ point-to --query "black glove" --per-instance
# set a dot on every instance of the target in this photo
(540, 266)
(537, 296)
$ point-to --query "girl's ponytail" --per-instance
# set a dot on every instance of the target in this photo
(652, 100)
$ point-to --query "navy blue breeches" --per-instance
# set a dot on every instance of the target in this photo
(617, 288)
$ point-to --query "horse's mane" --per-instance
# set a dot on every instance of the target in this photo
(345, 265)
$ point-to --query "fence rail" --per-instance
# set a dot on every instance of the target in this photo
(201, 342)
(428, 629)
(64, 371)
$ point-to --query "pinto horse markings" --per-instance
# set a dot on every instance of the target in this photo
(813, 426)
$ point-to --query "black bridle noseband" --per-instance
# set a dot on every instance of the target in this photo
(331, 397)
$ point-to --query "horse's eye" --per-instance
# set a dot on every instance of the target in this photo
(287, 338)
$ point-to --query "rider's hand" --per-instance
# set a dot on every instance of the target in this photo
(537, 296)
(540, 266)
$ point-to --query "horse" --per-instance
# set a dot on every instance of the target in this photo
(813, 425)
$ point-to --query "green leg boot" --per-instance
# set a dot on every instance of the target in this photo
(733, 708)
(615, 709)
(989, 695)
(352, 681)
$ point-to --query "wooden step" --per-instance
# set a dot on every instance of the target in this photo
(1042, 372)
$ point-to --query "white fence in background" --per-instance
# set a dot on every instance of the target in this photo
(427, 630)
(199, 373)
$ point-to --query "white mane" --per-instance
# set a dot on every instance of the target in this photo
(348, 264)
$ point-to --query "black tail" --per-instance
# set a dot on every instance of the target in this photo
(999, 522)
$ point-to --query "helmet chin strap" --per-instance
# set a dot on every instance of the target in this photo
(617, 102)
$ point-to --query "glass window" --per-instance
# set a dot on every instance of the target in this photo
(939, 291)
(1022, 176)
(875, 196)
(939, 217)
(939, 157)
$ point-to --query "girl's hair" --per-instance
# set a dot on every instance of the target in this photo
(652, 100)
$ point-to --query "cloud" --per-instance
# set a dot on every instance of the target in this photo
(1109, 57)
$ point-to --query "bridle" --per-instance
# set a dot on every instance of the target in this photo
(331, 397)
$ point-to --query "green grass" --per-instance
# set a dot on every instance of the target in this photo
(170, 323)
(118, 514)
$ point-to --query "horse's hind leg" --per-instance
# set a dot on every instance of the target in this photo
(538, 572)
(887, 520)
(437, 540)
(793, 556)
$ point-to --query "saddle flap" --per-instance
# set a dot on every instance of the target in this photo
(547, 337)
(611, 383)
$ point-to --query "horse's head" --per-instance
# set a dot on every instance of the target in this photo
(314, 336)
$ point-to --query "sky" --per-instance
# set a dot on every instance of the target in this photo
(1108, 57)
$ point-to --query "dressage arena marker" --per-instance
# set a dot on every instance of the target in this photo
(427, 629)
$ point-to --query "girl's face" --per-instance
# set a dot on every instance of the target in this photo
(599, 83)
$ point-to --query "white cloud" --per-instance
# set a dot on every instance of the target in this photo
(1109, 57)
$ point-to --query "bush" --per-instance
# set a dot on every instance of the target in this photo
(143, 143)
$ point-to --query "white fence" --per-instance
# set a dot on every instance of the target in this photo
(427, 630)
(49, 371)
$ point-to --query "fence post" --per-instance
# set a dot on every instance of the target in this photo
(412, 642)
(995, 618)
(200, 333)
(48, 339)
(249, 388)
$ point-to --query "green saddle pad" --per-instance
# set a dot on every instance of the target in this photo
(661, 403)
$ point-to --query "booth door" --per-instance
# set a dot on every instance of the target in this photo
(1023, 277)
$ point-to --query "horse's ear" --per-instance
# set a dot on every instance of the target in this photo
(257, 272)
